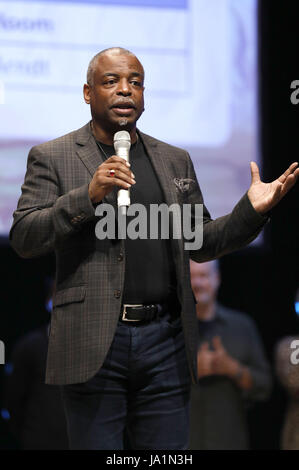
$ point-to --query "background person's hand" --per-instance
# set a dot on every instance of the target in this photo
(204, 360)
(102, 183)
(222, 362)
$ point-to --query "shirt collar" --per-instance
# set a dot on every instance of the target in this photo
(220, 314)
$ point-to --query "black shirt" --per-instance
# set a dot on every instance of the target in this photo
(150, 270)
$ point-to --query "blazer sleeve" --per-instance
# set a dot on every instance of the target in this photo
(44, 216)
(227, 233)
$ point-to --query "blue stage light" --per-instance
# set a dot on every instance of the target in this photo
(8, 368)
(5, 414)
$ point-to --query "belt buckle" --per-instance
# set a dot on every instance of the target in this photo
(125, 311)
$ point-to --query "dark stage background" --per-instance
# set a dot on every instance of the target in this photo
(262, 280)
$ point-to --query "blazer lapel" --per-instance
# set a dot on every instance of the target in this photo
(89, 153)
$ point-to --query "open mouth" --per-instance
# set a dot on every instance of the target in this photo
(124, 108)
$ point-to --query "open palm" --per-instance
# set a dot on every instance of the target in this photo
(264, 196)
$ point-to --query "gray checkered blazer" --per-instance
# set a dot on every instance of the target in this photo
(55, 213)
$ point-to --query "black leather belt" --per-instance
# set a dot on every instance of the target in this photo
(139, 312)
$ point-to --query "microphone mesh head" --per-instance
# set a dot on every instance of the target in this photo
(122, 139)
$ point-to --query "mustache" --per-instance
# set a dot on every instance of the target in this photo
(124, 103)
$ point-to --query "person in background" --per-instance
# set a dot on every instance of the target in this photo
(287, 370)
(35, 410)
(232, 368)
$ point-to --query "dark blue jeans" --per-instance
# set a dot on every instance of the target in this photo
(143, 387)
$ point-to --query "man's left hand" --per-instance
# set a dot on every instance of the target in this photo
(264, 196)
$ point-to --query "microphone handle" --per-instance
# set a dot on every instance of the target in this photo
(123, 195)
(123, 153)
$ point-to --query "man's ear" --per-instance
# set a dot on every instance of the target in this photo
(86, 93)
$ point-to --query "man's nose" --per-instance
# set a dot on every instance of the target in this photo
(124, 88)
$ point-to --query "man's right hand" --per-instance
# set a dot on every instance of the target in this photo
(102, 183)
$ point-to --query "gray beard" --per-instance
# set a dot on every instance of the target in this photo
(123, 122)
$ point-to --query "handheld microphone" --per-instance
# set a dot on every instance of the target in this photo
(122, 144)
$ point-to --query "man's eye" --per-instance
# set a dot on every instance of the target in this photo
(135, 82)
(110, 82)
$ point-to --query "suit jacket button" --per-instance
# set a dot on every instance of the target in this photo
(117, 294)
(120, 257)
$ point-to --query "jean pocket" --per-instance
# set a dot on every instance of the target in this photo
(172, 322)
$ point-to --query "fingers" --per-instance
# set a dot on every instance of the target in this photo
(123, 176)
(116, 163)
(116, 159)
(119, 182)
(291, 170)
(289, 183)
(119, 173)
(204, 347)
(217, 343)
(255, 173)
(103, 182)
(289, 178)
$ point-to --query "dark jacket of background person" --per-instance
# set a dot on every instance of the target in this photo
(288, 374)
(36, 414)
(218, 404)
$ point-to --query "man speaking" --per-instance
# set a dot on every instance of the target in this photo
(123, 341)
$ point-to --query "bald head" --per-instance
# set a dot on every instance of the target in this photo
(113, 51)
(205, 281)
(207, 267)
